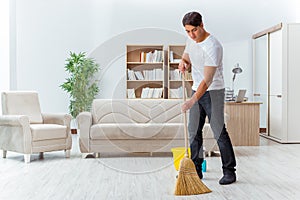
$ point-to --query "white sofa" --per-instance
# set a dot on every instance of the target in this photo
(133, 125)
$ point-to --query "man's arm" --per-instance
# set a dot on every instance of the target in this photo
(209, 73)
(185, 63)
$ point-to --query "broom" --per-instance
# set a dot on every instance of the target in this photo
(188, 181)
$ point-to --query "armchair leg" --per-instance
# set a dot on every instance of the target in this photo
(27, 158)
(67, 153)
(4, 153)
(97, 155)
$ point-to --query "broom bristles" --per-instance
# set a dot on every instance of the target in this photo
(188, 181)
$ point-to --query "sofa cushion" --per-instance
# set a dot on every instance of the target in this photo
(137, 131)
(48, 131)
(136, 111)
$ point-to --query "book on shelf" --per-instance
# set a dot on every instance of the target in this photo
(153, 74)
(139, 75)
(151, 93)
(177, 60)
(151, 56)
(150, 74)
(157, 74)
(130, 75)
(147, 74)
(157, 93)
(142, 57)
(171, 57)
(131, 93)
(145, 91)
(176, 93)
(175, 75)
(157, 56)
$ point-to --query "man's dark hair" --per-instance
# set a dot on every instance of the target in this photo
(192, 18)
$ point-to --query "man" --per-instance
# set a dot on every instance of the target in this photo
(203, 54)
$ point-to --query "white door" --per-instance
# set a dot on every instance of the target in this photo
(275, 85)
(260, 86)
(293, 83)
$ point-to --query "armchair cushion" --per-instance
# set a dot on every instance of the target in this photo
(48, 131)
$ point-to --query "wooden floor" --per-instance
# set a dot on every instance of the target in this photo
(268, 171)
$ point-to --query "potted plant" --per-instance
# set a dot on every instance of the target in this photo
(81, 84)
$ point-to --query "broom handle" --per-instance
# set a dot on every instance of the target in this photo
(185, 118)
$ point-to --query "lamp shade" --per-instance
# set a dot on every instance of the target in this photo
(237, 69)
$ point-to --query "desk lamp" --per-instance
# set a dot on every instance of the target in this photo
(236, 70)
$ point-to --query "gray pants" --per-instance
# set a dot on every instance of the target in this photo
(211, 104)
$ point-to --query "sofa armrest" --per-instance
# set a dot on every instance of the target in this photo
(84, 121)
(15, 128)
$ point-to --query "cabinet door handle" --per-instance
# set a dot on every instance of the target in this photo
(276, 95)
(256, 94)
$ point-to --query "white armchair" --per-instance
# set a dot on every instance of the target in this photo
(24, 129)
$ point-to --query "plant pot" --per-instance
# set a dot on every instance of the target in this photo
(73, 131)
(73, 126)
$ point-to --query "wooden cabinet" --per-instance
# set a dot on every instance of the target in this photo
(174, 77)
(145, 71)
(243, 123)
(282, 75)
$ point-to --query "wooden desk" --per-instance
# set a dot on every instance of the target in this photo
(243, 123)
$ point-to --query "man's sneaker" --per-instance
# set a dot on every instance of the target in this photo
(199, 171)
(227, 179)
(200, 174)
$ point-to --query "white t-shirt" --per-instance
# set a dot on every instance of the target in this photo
(206, 53)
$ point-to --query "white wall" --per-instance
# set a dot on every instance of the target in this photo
(45, 32)
(112, 58)
(238, 52)
(4, 46)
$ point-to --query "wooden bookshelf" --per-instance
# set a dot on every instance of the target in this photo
(145, 71)
(174, 77)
